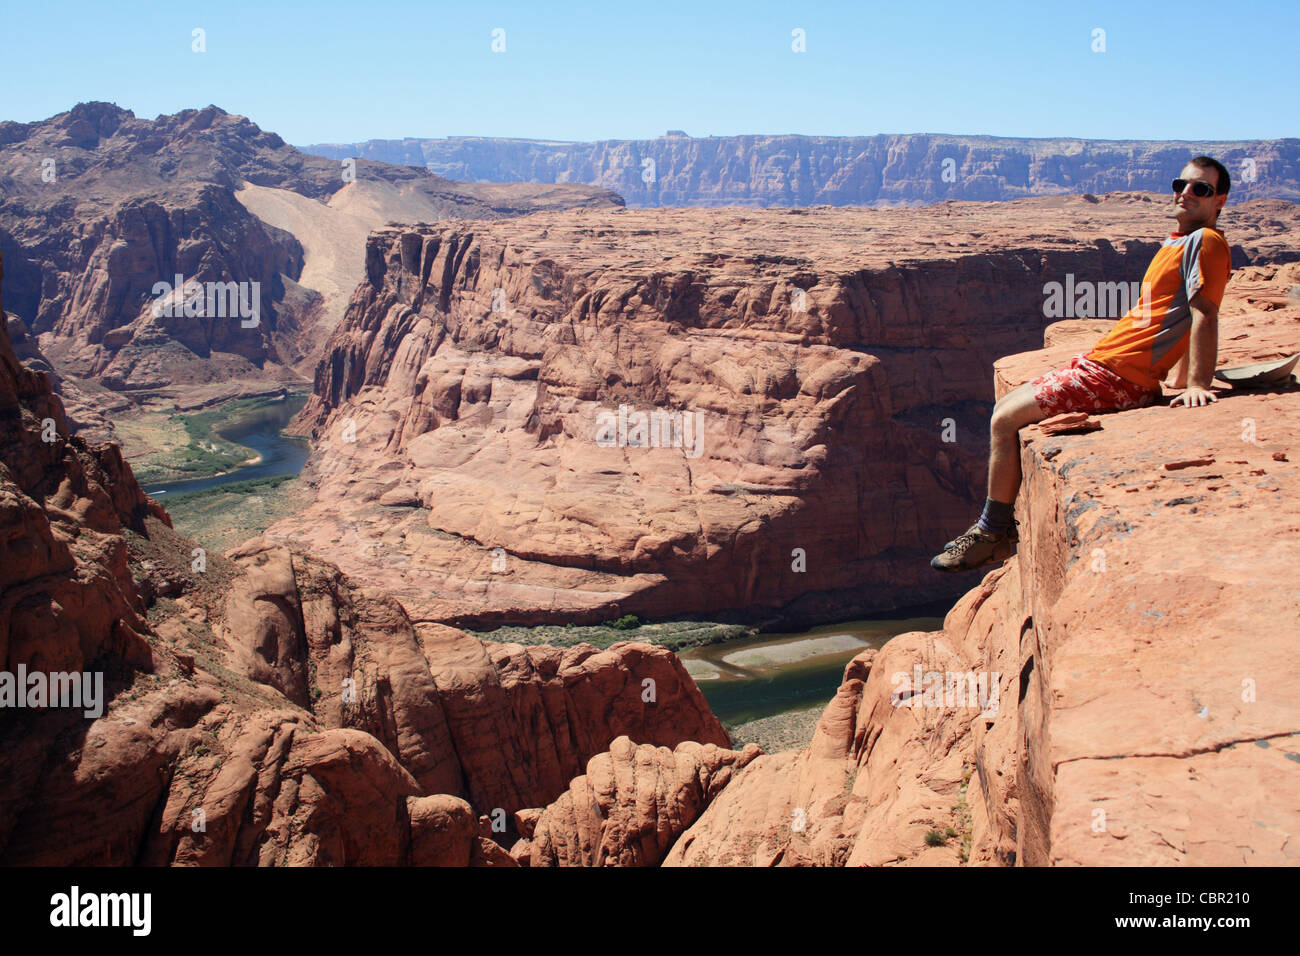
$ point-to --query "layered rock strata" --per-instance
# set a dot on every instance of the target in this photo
(814, 386)
(910, 168)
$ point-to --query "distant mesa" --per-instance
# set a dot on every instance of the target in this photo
(883, 170)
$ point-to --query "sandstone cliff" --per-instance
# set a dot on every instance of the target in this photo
(835, 360)
(1123, 691)
(838, 170)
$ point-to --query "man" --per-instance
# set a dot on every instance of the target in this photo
(1177, 317)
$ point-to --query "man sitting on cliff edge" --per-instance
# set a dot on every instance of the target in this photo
(1177, 317)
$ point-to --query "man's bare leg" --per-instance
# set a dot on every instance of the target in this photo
(1014, 411)
(990, 539)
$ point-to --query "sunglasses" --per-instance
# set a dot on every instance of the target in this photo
(1199, 188)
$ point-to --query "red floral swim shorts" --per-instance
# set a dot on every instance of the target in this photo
(1088, 386)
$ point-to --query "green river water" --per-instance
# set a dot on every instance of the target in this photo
(770, 674)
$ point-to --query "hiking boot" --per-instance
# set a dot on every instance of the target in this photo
(972, 550)
(1013, 533)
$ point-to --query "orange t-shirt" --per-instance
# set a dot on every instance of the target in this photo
(1153, 335)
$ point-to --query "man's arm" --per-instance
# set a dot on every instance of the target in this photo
(1177, 376)
(1202, 352)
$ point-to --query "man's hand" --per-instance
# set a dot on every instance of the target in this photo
(1195, 396)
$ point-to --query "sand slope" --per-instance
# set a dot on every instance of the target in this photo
(333, 236)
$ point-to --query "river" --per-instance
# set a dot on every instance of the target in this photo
(770, 674)
(742, 680)
(261, 429)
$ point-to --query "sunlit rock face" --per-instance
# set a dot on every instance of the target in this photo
(574, 416)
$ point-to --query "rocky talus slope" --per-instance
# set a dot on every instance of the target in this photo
(912, 168)
(836, 361)
(260, 708)
(1142, 695)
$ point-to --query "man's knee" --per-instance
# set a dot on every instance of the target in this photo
(1003, 424)
(1015, 411)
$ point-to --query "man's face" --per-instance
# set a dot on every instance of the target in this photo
(1191, 211)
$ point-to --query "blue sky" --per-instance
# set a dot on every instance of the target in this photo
(329, 71)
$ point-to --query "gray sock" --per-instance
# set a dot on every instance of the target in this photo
(996, 518)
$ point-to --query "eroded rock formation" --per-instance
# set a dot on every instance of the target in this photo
(1139, 694)
(835, 361)
(630, 806)
(99, 206)
(261, 708)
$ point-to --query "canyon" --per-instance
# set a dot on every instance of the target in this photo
(311, 696)
(792, 170)
(230, 735)
(98, 206)
(1143, 638)
(838, 360)
(1144, 635)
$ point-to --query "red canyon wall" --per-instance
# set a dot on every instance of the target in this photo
(837, 358)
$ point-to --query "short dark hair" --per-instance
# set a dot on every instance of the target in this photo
(1207, 162)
